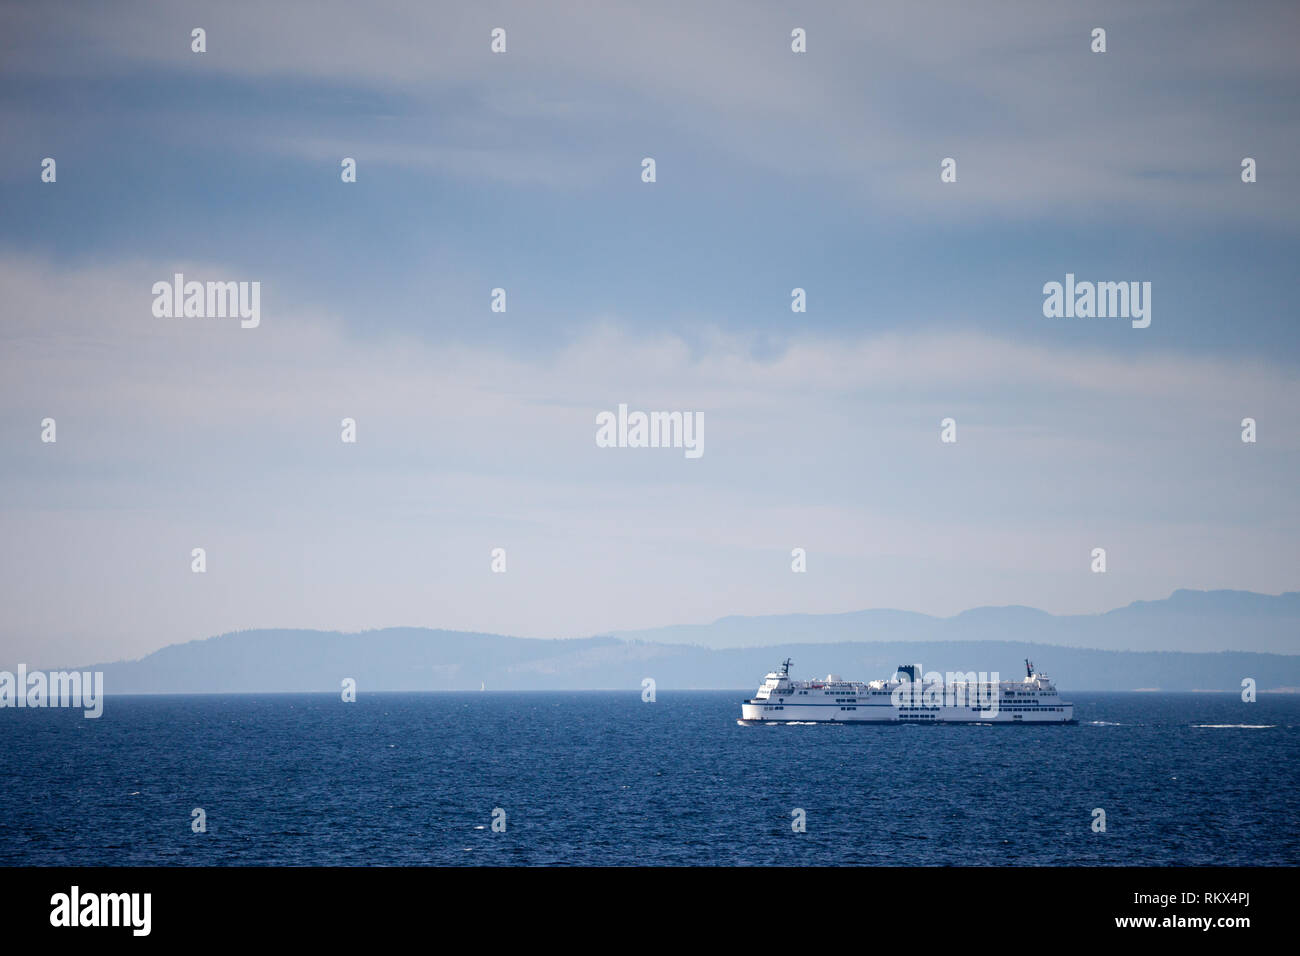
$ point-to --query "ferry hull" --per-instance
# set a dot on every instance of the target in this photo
(752, 712)
(908, 698)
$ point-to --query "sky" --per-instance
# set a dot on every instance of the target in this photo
(522, 170)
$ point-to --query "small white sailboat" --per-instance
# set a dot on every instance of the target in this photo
(482, 685)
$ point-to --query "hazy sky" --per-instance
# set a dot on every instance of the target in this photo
(522, 170)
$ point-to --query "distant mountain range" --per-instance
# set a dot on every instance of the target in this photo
(420, 659)
(1184, 621)
(1194, 640)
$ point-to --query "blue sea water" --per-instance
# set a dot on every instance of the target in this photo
(603, 778)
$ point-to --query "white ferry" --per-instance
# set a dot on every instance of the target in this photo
(908, 698)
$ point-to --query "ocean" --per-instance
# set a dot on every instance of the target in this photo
(602, 778)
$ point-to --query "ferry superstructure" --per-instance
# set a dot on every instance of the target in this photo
(908, 698)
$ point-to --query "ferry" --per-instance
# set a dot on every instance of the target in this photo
(907, 698)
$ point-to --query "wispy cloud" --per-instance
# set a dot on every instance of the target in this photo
(176, 433)
(1038, 124)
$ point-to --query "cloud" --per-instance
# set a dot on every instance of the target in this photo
(82, 332)
(178, 433)
(1039, 125)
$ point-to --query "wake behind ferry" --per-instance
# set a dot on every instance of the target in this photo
(906, 698)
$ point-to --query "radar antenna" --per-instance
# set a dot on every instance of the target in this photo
(785, 667)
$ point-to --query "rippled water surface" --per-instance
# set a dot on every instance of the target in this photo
(603, 778)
